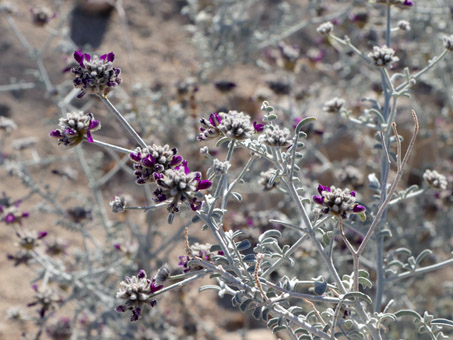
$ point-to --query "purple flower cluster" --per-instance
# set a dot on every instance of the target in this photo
(181, 185)
(9, 212)
(94, 74)
(153, 159)
(162, 165)
(337, 202)
(137, 291)
(45, 299)
(74, 128)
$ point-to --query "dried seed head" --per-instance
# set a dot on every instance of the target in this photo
(325, 28)
(435, 179)
(118, 205)
(7, 124)
(404, 25)
(289, 57)
(7, 7)
(276, 136)
(15, 314)
(268, 179)
(41, 15)
(383, 56)
(220, 168)
(334, 105)
(448, 42)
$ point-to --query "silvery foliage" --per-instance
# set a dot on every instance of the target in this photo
(337, 296)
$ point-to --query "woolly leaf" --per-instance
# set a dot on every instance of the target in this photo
(243, 245)
(270, 233)
(358, 295)
(303, 122)
(206, 287)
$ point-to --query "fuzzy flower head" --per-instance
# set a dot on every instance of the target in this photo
(383, 56)
(137, 291)
(41, 15)
(28, 240)
(448, 43)
(95, 75)
(7, 7)
(338, 202)
(276, 136)
(74, 128)
(236, 125)
(325, 28)
(289, 57)
(7, 125)
(56, 247)
(220, 168)
(180, 185)
(210, 127)
(334, 105)
(153, 159)
(45, 299)
(9, 212)
(197, 250)
(268, 179)
(435, 179)
(404, 25)
(118, 205)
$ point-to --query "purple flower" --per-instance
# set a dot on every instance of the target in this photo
(74, 128)
(95, 75)
(9, 212)
(338, 202)
(21, 257)
(258, 126)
